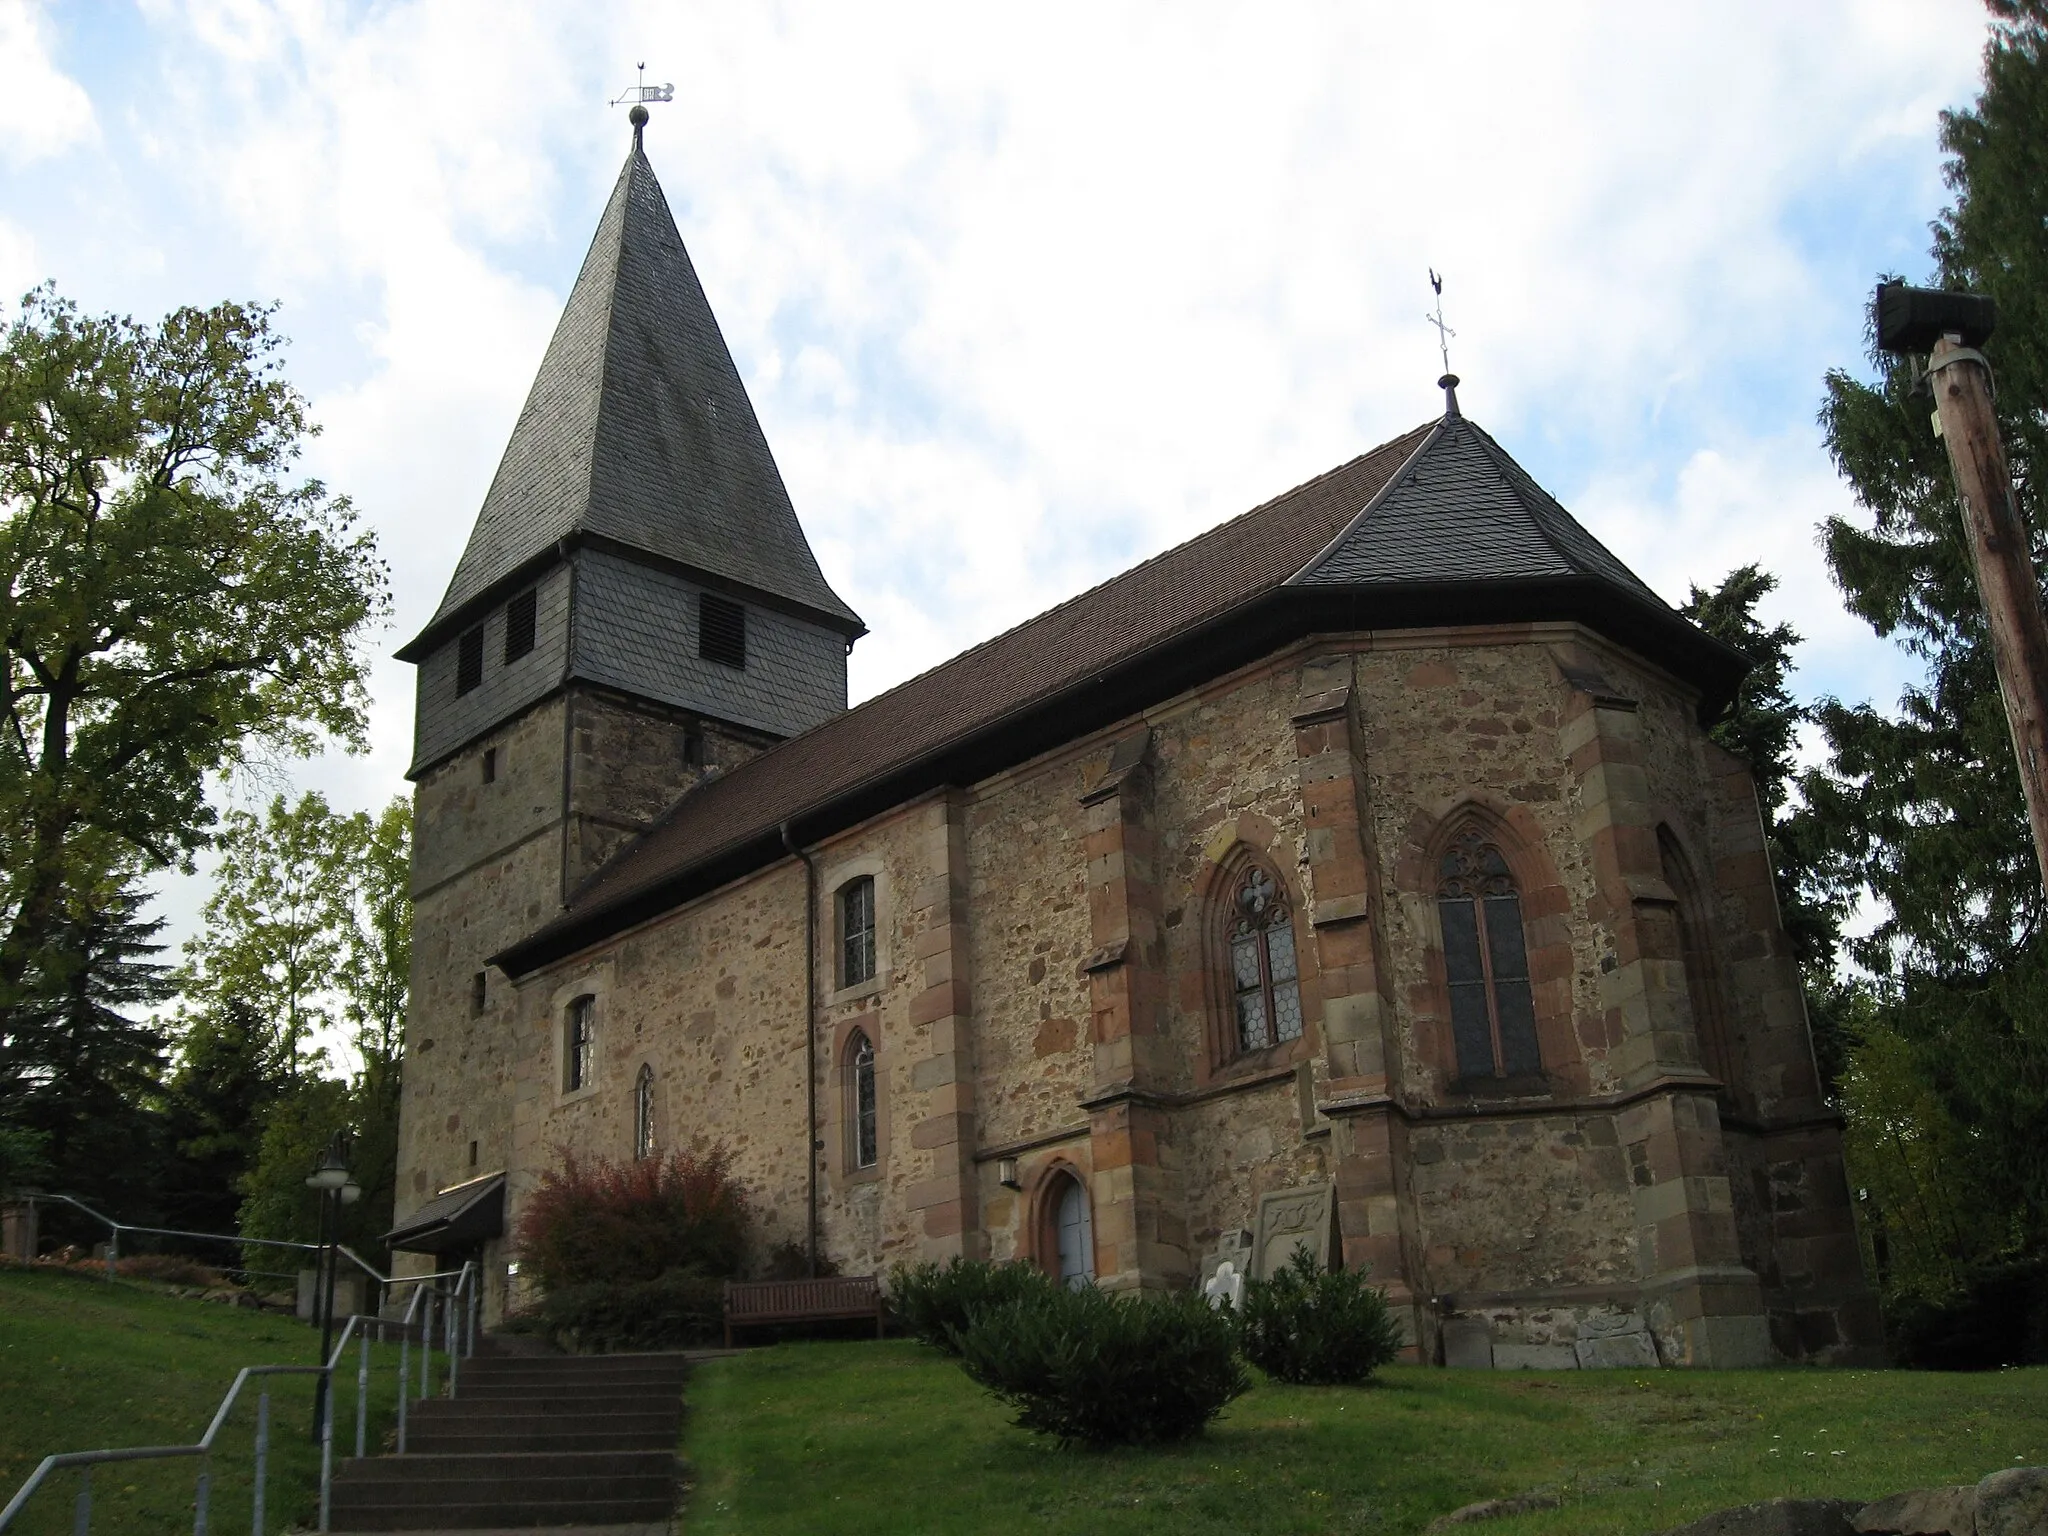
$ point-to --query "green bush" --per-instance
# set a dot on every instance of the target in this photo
(1085, 1366)
(940, 1302)
(683, 1307)
(595, 1221)
(1316, 1327)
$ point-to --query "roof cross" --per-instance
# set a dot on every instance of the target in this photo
(1449, 382)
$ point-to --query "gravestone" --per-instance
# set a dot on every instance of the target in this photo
(1232, 1248)
(348, 1296)
(1225, 1285)
(1289, 1219)
(18, 1226)
(1617, 1351)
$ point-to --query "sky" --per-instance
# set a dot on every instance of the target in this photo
(1024, 295)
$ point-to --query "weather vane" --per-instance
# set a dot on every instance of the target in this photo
(1443, 332)
(643, 92)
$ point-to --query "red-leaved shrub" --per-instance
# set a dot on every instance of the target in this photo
(595, 1221)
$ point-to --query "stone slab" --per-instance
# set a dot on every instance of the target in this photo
(1535, 1357)
(1923, 1512)
(1468, 1344)
(1617, 1352)
(1303, 1217)
(1492, 1509)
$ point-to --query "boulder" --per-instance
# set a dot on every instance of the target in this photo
(2013, 1503)
(1778, 1517)
(1493, 1509)
(1924, 1512)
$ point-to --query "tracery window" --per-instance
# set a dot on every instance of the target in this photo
(857, 931)
(1486, 961)
(860, 1074)
(1265, 981)
(643, 1113)
(579, 1045)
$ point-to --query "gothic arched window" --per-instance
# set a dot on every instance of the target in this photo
(1265, 982)
(864, 1143)
(579, 1045)
(1486, 961)
(643, 1113)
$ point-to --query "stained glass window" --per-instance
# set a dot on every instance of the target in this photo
(1265, 980)
(860, 1062)
(1486, 961)
(643, 1113)
(580, 1040)
(857, 931)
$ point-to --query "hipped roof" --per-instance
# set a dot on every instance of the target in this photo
(638, 435)
(1437, 527)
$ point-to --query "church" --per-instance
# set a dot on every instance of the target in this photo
(1357, 874)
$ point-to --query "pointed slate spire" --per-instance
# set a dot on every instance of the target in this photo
(1462, 512)
(639, 435)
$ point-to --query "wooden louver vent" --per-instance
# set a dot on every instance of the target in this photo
(469, 660)
(721, 630)
(519, 617)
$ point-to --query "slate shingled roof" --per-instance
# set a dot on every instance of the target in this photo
(638, 431)
(1463, 511)
(1443, 504)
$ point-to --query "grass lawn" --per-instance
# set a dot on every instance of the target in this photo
(86, 1364)
(865, 1437)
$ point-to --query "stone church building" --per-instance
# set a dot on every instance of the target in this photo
(1359, 870)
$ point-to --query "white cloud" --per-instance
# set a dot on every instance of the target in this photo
(1023, 296)
(43, 111)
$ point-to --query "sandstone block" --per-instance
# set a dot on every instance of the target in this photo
(1468, 1344)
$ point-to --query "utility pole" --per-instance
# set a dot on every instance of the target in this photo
(1949, 328)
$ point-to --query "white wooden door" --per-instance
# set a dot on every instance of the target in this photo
(1077, 1237)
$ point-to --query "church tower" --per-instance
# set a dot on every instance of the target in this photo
(637, 608)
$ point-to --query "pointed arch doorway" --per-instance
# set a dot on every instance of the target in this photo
(1067, 1243)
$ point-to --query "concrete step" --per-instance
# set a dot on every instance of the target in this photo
(577, 1365)
(545, 1434)
(467, 1492)
(568, 1398)
(441, 1466)
(578, 1515)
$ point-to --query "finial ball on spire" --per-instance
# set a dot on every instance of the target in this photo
(637, 117)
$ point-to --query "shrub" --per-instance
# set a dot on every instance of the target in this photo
(1104, 1370)
(681, 1308)
(1316, 1327)
(939, 1303)
(600, 1222)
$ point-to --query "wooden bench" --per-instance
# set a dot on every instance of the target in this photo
(754, 1303)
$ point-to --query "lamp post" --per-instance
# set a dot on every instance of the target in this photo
(330, 1178)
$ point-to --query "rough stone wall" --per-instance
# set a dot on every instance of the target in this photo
(1029, 936)
(711, 998)
(986, 1012)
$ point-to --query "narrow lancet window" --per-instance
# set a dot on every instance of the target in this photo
(860, 1071)
(1264, 978)
(643, 1113)
(579, 1040)
(1486, 962)
(857, 931)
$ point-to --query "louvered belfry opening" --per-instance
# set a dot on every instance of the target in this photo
(722, 630)
(469, 661)
(519, 624)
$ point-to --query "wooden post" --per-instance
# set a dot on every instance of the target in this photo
(2003, 556)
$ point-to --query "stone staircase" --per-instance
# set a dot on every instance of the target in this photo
(586, 1440)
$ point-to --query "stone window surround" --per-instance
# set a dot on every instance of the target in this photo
(839, 1129)
(595, 984)
(1693, 901)
(832, 880)
(1215, 893)
(1544, 907)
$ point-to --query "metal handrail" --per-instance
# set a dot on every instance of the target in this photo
(116, 1228)
(466, 1289)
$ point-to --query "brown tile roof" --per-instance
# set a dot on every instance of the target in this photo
(1247, 556)
(1461, 535)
